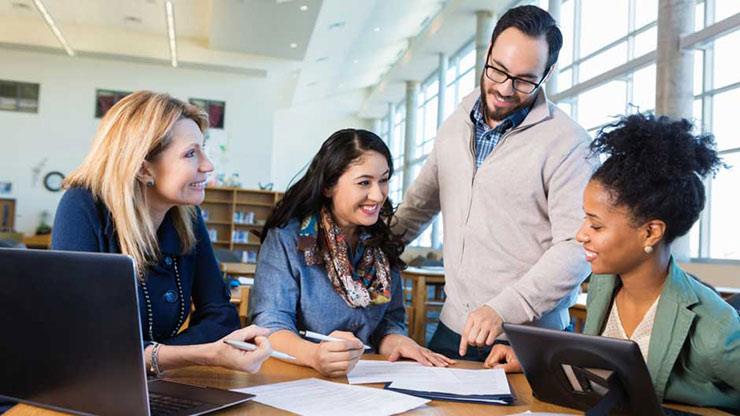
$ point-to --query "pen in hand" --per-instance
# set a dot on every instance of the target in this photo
(246, 346)
(320, 337)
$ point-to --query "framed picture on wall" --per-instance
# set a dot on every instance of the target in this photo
(105, 99)
(215, 110)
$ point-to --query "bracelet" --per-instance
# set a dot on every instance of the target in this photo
(154, 368)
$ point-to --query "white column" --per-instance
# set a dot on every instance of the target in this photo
(675, 66)
(412, 92)
(389, 127)
(442, 81)
(674, 76)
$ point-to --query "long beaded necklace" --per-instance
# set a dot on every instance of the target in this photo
(150, 319)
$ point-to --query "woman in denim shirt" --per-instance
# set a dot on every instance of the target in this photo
(136, 193)
(330, 264)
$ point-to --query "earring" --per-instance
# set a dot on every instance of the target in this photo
(150, 183)
(648, 249)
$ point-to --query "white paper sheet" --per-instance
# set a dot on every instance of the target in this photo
(371, 371)
(414, 376)
(319, 397)
(458, 381)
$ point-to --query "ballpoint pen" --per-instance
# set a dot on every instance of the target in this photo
(251, 347)
(320, 337)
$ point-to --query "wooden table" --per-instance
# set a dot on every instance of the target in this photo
(274, 371)
(37, 241)
(420, 280)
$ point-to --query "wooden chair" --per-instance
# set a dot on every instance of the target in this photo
(243, 309)
(407, 294)
(578, 313)
(434, 303)
(417, 284)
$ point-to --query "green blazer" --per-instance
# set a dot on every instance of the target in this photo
(694, 354)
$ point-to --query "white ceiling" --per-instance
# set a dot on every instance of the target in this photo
(353, 53)
(281, 29)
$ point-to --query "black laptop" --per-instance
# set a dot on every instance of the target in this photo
(71, 339)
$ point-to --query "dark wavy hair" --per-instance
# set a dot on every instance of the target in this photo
(655, 169)
(534, 22)
(306, 197)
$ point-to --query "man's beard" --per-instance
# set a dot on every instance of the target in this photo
(500, 114)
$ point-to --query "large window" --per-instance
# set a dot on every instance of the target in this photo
(717, 88)
(607, 69)
(426, 130)
(426, 121)
(460, 80)
(460, 77)
(619, 31)
(383, 130)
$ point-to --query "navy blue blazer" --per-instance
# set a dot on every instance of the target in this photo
(83, 223)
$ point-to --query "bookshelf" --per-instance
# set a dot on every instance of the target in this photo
(233, 215)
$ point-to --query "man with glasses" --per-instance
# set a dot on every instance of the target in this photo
(507, 172)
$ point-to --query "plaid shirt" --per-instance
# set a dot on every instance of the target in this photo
(486, 138)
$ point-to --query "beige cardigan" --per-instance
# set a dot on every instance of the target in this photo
(509, 228)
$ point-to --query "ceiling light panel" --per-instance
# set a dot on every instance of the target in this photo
(171, 38)
(41, 7)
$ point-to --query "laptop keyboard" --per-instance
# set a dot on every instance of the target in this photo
(160, 404)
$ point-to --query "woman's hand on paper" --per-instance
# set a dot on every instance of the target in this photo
(397, 346)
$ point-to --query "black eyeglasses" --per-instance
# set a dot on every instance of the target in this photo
(519, 84)
(500, 76)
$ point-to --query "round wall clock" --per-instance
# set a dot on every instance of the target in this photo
(53, 181)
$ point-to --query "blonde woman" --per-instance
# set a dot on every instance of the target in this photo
(135, 193)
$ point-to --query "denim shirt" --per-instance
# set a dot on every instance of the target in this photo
(288, 294)
(83, 223)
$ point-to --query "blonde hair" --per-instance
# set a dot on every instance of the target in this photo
(137, 128)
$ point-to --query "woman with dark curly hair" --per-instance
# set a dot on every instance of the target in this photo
(330, 264)
(645, 195)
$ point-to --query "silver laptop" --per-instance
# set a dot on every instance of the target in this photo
(71, 339)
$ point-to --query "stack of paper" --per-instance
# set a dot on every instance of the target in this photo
(481, 386)
(319, 397)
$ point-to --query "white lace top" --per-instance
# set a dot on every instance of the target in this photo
(641, 334)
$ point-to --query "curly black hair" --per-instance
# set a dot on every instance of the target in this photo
(655, 168)
(306, 197)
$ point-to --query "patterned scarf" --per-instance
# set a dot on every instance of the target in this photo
(369, 284)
